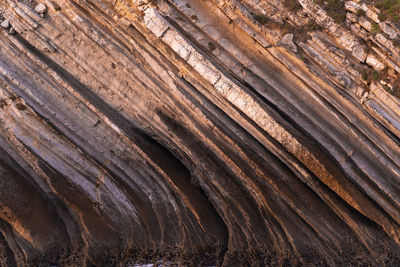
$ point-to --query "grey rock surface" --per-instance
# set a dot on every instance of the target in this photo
(287, 42)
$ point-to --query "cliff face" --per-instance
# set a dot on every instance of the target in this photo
(215, 132)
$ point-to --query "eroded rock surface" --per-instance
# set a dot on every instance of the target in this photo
(203, 133)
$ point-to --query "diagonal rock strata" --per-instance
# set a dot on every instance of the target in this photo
(185, 132)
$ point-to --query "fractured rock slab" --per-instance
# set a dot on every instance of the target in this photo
(287, 42)
(5, 24)
(40, 8)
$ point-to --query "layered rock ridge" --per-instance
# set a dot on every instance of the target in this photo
(204, 133)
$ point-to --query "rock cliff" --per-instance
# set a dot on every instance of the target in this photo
(199, 132)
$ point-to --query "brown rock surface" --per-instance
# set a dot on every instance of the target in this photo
(181, 132)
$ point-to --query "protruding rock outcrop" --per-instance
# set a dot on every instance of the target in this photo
(287, 42)
(205, 133)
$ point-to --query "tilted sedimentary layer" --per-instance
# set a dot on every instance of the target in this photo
(202, 132)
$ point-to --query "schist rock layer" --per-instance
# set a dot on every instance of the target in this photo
(199, 133)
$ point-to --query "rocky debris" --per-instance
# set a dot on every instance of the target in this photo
(26, 18)
(356, 6)
(389, 30)
(359, 31)
(352, 6)
(352, 44)
(5, 24)
(40, 8)
(364, 98)
(371, 13)
(287, 42)
(374, 62)
(12, 31)
(360, 92)
(352, 17)
(365, 23)
(345, 38)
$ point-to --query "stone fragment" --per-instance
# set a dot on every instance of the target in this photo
(352, 6)
(392, 73)
(40, 8)
(5, 24)
(371, 14)
(364, 98)
(365, 23)
(359, 52)
(155, 22)
(374, 62)
(12, 31)
(386, 28)
(287, 42)
(351, 17)
(360, 92)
